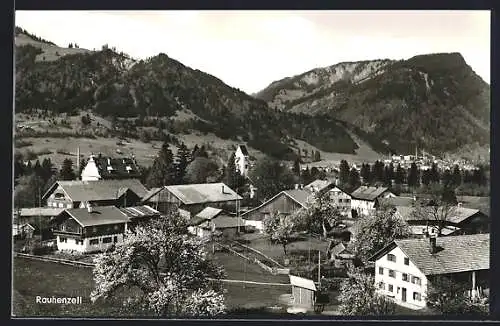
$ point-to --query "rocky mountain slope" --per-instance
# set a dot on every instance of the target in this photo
(433, 101)
(114, 85)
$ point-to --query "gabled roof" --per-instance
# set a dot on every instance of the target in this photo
(139, 211)
(200, 193)
(151, 193)
(40, 211)
(461, 253)
(302, 282)
(319, 185)
(398, 201)
(100, 215)
(79, 190)
(243, 149)
(368, 193)
(209, 213)
(456, 214)
(301, 196)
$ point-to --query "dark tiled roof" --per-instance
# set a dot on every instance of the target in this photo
(455, 253)
(201, 193)
(101, 189)
(99, 216)
(139, 211)
(119, 167)
(368, 193)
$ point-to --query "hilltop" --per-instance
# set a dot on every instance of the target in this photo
(433, 101)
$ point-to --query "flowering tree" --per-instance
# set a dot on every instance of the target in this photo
(318, 216)
(164, 271)
(358, 297)
(377, 230)
(280, 228)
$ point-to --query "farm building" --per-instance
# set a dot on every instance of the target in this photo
(75, 194)
(365, 199)
(405, 268)
(139, 214)
(286, 202)
(107, 168)
(31, 215)
(192, 198)
(303, 292)
(459, 220)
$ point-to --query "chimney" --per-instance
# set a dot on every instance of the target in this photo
(432, 244)
(296, 186)
(89, 208)
(414, 198)
(301, 186)
(109, 161)
(459, 204)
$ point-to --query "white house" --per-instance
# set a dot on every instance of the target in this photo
(241, 160)
(405, 268)
(364, 199)
(94, 229)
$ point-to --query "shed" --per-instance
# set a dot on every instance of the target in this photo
(303, 291)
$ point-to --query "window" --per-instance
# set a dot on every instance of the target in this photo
(381, 270)
(392, 273)
(407, 261)
(94, 242)
(63, 240)
(61, 205)
(79, 242)
(390, 288)
(381, 285)
(115, 238)
(416, 280)
(405, 277)
(417, 296)
(69, 206)
(391, 257)
(116, 227)
(107, 240)
(94, 229)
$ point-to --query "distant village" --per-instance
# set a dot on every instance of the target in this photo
(93, 214)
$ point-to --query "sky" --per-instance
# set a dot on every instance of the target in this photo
(250, 49)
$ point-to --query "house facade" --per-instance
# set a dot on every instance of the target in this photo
(91, 229)
(405, 268)
(364, 199)
(107, 168)
(76, 194)
(340, 198)
(285, 203)
(241, 160)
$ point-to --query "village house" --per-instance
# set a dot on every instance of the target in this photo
(191, 199)
(365, 199)
(241, 160)
(94, 229)
(285, 203)
(107, 168)
(341, 255)
(212, 220)
(405, 268)
(458, 219)
(79, 193)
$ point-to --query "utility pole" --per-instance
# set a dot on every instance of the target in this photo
(319, 268)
